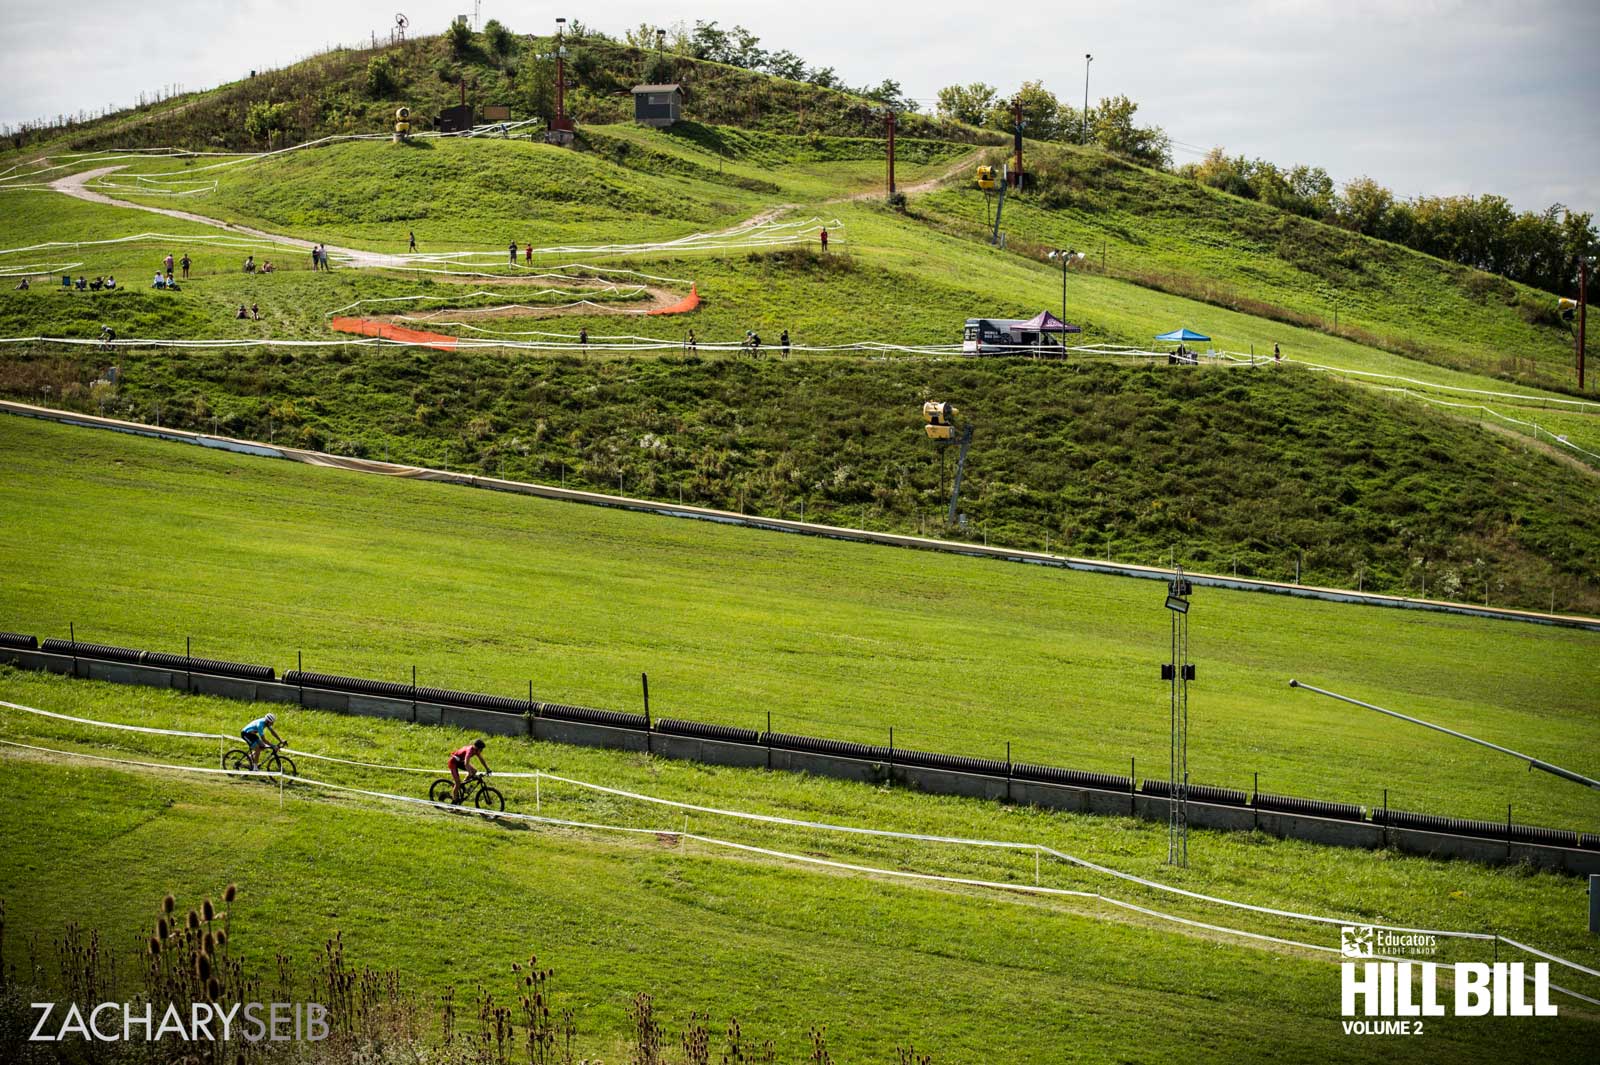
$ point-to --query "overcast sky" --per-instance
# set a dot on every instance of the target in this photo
(1426, 96)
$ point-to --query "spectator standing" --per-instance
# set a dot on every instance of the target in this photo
(823, 236)
(783, 340)
(583, 340)
(411, 235)
(167, 264)
(184, 262)
(1277, 356)
(690, 343)
(513, 253)
(530, 254)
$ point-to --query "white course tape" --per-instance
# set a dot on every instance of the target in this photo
(112, 724)
(804, 859)
(857, 830)
(145, 765)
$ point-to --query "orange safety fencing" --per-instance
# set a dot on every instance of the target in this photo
(683, 306)
(367, 328)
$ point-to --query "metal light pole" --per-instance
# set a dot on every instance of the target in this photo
(1083, 138)
(1066, 258)
(1179, 671)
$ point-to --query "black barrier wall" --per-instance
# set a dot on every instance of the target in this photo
(1339, 824)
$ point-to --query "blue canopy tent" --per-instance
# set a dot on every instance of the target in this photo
(1178, 335)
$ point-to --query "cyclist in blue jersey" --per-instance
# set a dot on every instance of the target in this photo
(255, 734)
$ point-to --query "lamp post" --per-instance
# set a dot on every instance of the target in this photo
(1083, 138)
(1065, 258)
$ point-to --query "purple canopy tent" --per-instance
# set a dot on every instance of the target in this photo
(1045, 322)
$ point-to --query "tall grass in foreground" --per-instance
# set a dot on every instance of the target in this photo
(373, 1016)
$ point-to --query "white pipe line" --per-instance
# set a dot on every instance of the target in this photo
(1533, 763)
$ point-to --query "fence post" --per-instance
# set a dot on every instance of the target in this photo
(1008, 771)
(1133, 788)
(769, 739)
(413, 694)
(644, 679)
(299, 676)
(188, 664)
(1255, 806)
(72, 634)
(1386, 818)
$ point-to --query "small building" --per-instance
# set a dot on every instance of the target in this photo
(657, 105)
(456, 119)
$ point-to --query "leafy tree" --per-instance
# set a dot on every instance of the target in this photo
(1366, 207)
(460, 37)
(966, 103)
(824, 77)
(785, 64)
(265, 119)
(888, 93)
(1040, 112)
(709, 42)
(642, 36)
(1114, 130)
(382, 84)
(500, 39)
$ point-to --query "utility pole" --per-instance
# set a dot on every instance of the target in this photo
(889, 117)
(1083, 138)
(1583, 307)
(1016, 116)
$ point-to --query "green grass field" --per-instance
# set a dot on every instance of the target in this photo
(967, 974)
(258, 559)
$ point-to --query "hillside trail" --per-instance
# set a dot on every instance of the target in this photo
(1551, 450)
(926, 185)
(74, 185)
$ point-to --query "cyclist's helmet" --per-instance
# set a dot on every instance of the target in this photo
(272, 719)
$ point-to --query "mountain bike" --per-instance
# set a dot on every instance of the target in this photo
(476, 789)
(238, 760)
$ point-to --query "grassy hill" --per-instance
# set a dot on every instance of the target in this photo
(481, 591)
(1175, 235)
(961, 973)
(331, 94)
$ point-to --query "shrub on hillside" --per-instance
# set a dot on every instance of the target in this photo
(382, 83)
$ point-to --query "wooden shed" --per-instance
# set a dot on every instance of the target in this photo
(657, 105)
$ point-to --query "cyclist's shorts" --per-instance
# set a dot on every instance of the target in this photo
(253, 737)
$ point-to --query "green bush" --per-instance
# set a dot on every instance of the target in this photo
(382, 83)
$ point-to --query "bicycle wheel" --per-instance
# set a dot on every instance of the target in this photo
(441, 790)
(281, 763)
(490, 799)
(236, 760)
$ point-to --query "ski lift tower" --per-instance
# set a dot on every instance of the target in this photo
(1179, 672)
(561, 130)
(944, 430)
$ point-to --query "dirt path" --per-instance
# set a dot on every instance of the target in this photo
(1554, 452)
(659, 298)
(74, 185)
(926, 185)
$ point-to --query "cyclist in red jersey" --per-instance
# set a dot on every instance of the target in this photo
(460, 759)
